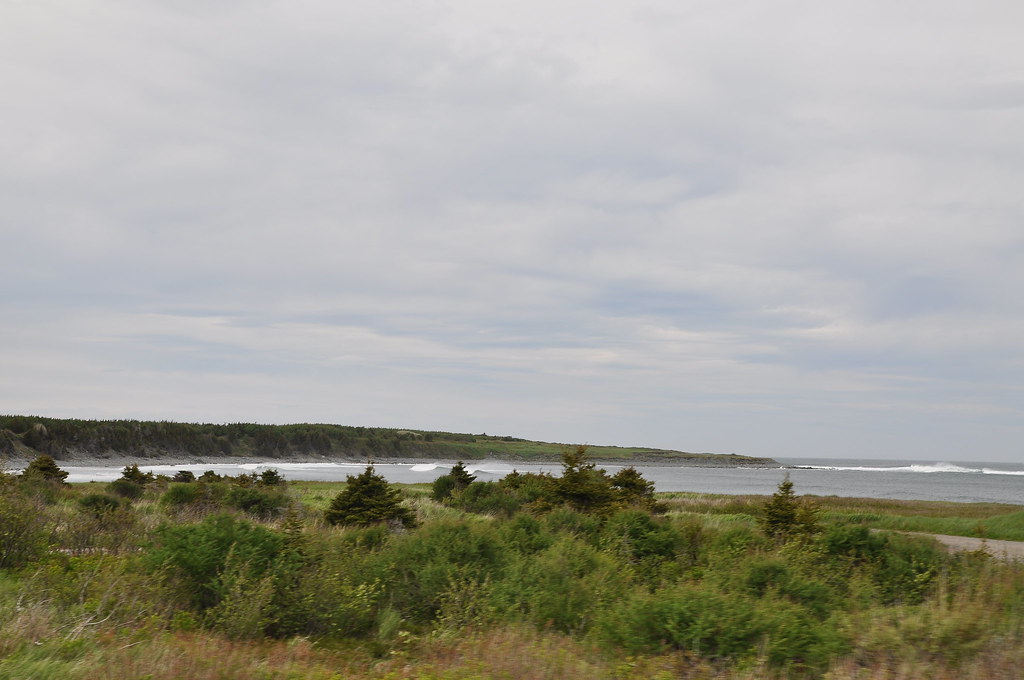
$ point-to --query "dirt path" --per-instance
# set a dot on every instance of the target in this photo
(1008, 550)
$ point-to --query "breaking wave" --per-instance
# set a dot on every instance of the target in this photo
(922, 468)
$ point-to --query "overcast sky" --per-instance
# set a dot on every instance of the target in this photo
(782, 229)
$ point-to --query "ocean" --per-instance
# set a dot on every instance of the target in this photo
(909, 480)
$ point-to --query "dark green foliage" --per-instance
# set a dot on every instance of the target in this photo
(99, 504)
(199, 555)
(182, 494)
(44, 468)
(561, 586)
(716, 624)
(525, 534)
(763, 576)
(581, 485)
(489, 498)
(183, 476)
(853, 541)
(784, 516)
(461, 475)
(369, 499)
(125, 488)
(641, 540)
(271, 477)
(419, 567)
(23, 526)
(259, 502)
(632, 488)
(133, 474)
(907, 568)
(452, 483)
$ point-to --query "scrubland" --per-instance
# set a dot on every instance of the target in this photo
(245, 578)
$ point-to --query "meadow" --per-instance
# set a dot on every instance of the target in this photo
(255, 577)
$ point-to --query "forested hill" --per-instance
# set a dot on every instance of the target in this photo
(24, 437)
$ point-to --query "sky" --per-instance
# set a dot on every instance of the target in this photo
(784, 229)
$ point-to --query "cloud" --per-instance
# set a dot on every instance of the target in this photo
(716, 226)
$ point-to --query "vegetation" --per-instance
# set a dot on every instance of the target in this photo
(65, 439)
(535, 576)
(368, 499)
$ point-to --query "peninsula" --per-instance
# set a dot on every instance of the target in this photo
(83, 442)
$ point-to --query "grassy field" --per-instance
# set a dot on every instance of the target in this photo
(981, 520)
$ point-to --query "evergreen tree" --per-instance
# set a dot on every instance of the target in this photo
(453, 482)
(133, 474)
(368, 499)
(785, 516)
(633, 489)
(44, 467)
(271, 477)
(581, 485)
(461, 475)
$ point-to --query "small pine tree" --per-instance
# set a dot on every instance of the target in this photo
(455, 481)
(633, 489)
(785, 516)
(581, 485)
(368, 499)
(44, 467)
(271, 477)
(461, 475)
(133, 474)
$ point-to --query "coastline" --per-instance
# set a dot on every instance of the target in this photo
(723, 461)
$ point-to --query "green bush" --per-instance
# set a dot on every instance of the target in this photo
(258, 502)
(418, 567)
(44, 468)
(525, 534)
(561, 587)
(99, 504)
(451, 483)
(487, 498)
(719, 625)
(125, 489)
(907, 568)
(182, 494)
(23, 527)
(197, 555)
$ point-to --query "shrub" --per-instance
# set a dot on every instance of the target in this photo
(197, 555)
(99, 504)
(46, 469)
(271, 477)
(420, 566)
(487, 498)
(126, 488)
(368, 499)
(23, 531)
(784, 516)
(715, 624)
(181, 494)
(582, 486)
(562, 586)
(452, 483)
(132, 473)
(257, 502)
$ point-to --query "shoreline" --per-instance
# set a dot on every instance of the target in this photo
(120, 460)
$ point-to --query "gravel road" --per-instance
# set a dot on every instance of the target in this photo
(1008, 550)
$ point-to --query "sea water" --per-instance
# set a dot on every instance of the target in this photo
(908, 480)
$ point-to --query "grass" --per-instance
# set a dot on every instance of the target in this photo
(998, 521)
